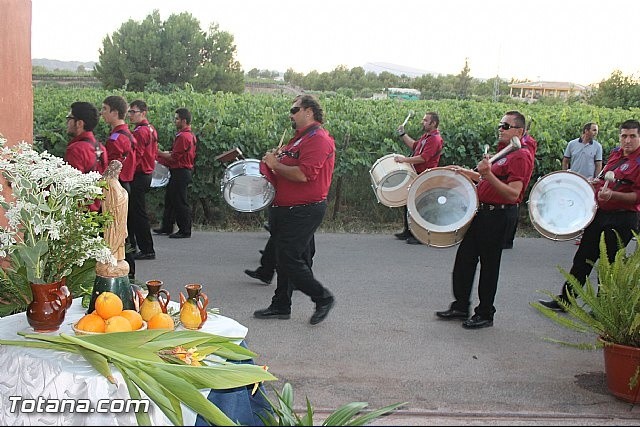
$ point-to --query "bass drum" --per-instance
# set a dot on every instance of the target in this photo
(561, 205)
(390, 180)
(244, 188)
(441, 205)
(160, 176)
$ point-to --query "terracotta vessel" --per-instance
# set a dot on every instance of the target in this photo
(49, 306)
(621, 363)
(193, 311)
(155, 302)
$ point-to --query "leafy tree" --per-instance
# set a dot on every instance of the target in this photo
(617, 91)
(173, 52)
(464, 81)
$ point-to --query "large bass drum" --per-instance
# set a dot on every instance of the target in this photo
(244, 188)
(390, 180)
(441, 205)
(561, 205)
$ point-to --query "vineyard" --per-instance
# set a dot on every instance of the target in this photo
(364, 131)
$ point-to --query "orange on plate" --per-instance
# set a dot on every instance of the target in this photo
(117, 324)
(161, 321)
(91, 323)
(133, 317)
(108, 305)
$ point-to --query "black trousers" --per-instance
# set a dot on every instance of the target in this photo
(292, 229)
(483, 242)
(138, 219)
(176, 203)
(622, 222)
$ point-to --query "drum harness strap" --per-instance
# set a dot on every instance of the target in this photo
(97, 151)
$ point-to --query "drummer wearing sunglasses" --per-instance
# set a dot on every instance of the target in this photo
(617, 213)
(500, 187)
(301, 172)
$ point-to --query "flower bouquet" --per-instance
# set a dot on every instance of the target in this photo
(50, 232)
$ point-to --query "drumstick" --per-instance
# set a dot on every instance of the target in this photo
(411, 113)
(608, 177)
(514, 145)
(281, 140)
(486, 149)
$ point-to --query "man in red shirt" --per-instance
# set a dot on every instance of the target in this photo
(301, 173)
(501, 186)
(618, 208)
(146, 151)
(180, 161)
(121, 146)
(425, 154)
(83, 151)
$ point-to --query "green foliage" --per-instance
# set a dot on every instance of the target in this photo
(255, 124)
(173, 52)
(610, 310)
(618, 91)
(284, 415)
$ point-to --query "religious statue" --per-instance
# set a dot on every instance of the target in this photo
(116, 204)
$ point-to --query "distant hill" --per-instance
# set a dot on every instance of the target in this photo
(54, 64)
(398, 70)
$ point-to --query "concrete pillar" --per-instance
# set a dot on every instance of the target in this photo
(16, 95)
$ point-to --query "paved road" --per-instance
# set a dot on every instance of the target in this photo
(383, 344)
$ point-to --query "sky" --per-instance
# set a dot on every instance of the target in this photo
(551, 40)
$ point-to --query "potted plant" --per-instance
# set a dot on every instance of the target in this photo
(610, 312)
(49, 233)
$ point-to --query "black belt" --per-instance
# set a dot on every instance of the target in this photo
(491, 207)
(299, 206)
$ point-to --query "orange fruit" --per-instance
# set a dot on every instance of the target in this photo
(91, 323)
(161, 321)
(108, 305)
(133, 317)
(117, 324)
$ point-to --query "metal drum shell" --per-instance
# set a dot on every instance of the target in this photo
(244, 188)
(390, 180)
(160, 176)
(561, 205)
(455, 196)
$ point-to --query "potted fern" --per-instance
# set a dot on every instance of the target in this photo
(610, 312)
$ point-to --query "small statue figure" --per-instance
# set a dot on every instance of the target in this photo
(116, 203)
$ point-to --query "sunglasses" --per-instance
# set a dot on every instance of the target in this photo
(294, 110)
(134, 111)
(507, 126)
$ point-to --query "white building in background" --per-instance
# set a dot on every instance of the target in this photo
(534, 90)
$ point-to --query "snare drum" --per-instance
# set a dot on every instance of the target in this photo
(160, 176)
(244, 188)
(441, 205)
(561, 205)
(390, 180)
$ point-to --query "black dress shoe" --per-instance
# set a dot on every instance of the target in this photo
(266, 227)
(179, 235)
(413, 241)
(161, 231)
(271, 313)
(321, 312)
(403, 236)
(145, 255)
(261, 252)
(553, 305)
(477, 322)
(452, 314)
(256, 275)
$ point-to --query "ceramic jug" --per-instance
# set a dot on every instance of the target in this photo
(155, 302)
(193, 307)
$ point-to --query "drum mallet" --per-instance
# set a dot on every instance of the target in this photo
(514, 145)
(411, 113)
(608, 177)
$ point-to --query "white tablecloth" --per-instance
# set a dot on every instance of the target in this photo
(30, 373)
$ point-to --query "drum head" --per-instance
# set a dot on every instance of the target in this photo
(561, 205)
(244, 188)
(390, 180)
(160, 176)
(441, 205)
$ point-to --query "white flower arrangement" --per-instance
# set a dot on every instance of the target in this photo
(49, 226)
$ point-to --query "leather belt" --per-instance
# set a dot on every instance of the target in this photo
(491, 207)
(299, 206)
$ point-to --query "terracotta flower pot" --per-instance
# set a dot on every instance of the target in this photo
(620, 365)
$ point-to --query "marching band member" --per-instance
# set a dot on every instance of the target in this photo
(301, 172)
(501, 186)
(425, 154)
(618, 207)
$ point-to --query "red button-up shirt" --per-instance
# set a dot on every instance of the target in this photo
(429, 147)
(627, 174)
(121, 146)
(146, 147)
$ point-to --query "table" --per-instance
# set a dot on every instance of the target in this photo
(30, 373)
